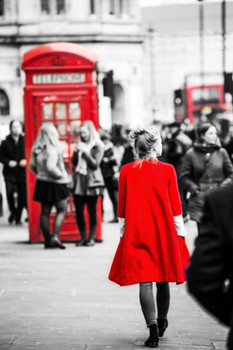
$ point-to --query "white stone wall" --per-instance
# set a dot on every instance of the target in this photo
(116, 41)
(149, 66)
(179, 55)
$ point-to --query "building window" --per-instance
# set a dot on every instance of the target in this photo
(112, 7)
(60, 7)
(52, 7)
(92, 7)
(120, 6)
(116, 7)
(4, 103)
(1, 7)
(45, 7)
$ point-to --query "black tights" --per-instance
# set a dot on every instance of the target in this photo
(91, 202)
(147, 301)
(46, 208)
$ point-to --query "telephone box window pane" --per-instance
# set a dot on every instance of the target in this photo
(74, 110)
(65, 151)
(60, 110)
(47, 110)
(74, 128)
(45, 7)
(62, 129)
(60, 7)
(72, 147)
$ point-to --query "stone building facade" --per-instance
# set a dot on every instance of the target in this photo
(150, 51)
(110, 28)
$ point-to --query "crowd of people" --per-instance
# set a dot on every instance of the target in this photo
(191, 150)
(157, 178)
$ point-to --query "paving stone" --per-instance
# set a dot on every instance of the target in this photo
(62, 300)
(7, 339)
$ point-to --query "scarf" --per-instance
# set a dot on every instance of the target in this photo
(82, 163)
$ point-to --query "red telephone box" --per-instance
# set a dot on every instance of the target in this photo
(60, 88)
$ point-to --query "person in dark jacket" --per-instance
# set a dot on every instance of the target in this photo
(12, 155)
(109, 169)
(177, 144)
(205, 167)
(210, 273)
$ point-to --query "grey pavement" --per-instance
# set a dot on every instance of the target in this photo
(54, 299)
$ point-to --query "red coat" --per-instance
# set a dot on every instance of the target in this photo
(150, 249)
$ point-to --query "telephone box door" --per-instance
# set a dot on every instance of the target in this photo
(66, 113)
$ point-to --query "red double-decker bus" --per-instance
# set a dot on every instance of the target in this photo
(194, 100)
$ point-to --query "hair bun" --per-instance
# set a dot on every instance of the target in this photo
(142, 149)
(143, 140)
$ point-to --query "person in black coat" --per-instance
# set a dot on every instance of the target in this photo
(109, 170)
(12, 155)
(210, 273)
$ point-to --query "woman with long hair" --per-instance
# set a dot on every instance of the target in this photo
(205, 167)
(88, 180)
(51, 182)
(152, 246)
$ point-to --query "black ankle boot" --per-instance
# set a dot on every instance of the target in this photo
(90, 242)
(48, 245)
(162, 325)
(11, 219)
(83, 239)
(91, 239)
(55, 241)
(153, 340)
(81, 243)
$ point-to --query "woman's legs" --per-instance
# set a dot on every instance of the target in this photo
(163, 303)
(112, 195)
(91, 204)
(44, 221)
(147, 301)
(79, 202)
(163, 299)
(61, 208)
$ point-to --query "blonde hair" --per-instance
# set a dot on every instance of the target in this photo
(94, 135)
(48, 135)
(143, 141)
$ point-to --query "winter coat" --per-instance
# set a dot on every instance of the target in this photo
(10, 150)
(177, 146)
(212, 259)
(204, 168)
(150, 249)
(109, 163)
(128, 155)
(94, 174)
(48, 165)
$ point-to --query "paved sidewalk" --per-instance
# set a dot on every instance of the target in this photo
(53, 299)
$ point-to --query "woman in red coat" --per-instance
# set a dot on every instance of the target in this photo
(152, 246)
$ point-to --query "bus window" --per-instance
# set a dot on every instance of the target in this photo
(205, 95)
